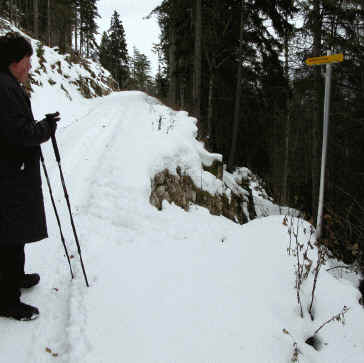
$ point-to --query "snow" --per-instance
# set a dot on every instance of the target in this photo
(55, 78)
(165, 286)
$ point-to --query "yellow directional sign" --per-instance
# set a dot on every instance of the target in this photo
(334, 58)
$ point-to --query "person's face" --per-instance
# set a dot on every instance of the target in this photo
(21, 69)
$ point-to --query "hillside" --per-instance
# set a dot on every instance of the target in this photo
(169, 285)
(63, 76)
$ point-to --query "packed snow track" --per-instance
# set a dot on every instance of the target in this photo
(165, 286)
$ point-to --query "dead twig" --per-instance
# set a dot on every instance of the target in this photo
(321, 260)
(338, 317)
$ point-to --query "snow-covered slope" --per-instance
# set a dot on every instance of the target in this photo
(62, 77)
(165, 286)
(170, 286)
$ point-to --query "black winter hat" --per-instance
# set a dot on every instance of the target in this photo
(13, 48)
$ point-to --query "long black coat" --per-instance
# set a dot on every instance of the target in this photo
(22, 217)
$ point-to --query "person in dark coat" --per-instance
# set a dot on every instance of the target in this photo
(22, 216)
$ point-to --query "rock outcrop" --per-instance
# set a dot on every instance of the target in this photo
(182, 191)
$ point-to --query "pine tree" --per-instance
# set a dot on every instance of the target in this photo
(36, 18)
(105, 56)
(161, 78)
(113, 53)
(197, 71)
(88, 26)
(175, 18)
(140, 71)
(61, 26)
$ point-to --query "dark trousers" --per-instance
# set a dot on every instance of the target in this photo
(12, 261)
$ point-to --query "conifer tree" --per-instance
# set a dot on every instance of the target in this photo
(113, 53)
(140, 71)
(161, 78)
(88, 26)
(104, 51)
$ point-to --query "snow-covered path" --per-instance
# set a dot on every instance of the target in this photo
(165, 286)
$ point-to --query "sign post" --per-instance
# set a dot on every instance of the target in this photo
(328, 60)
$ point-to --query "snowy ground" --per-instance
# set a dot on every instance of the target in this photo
(170, 286)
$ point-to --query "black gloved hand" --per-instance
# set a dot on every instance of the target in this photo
(52, 119)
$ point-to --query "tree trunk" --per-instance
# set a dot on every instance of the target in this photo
(210, 110)
(172, 68)
(36, 19)
(69, 37)
(285, 197)
(10, 10)
(197, 61)
(287, 125)
(182, 94)
(81, 34)
(76, 31)
(317, 117)
(49, 24)
(237, 94)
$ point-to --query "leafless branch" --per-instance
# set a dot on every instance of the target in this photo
(339, 318)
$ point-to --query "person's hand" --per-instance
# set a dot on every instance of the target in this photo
(52, 119)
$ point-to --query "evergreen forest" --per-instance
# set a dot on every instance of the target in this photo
(239, 67)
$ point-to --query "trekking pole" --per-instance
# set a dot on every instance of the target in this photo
(56, 213)
(58, 158)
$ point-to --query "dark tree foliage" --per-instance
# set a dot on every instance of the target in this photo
(71, 26)
(57, 22)
(113, 51)
(175, 19)
(140, 72)
(161, 78)
(281, 103)
(340, 27)
(220, 39)
(105, 56)
(88, 27)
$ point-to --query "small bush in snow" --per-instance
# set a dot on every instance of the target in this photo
(314, 341)
(321, 260)
(301, 252)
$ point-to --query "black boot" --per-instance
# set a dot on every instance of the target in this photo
(29, 280)
(19, 311)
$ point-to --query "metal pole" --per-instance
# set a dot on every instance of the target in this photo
(55, 212)
(58, 158)
(324, 148)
